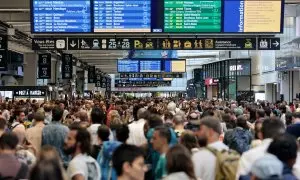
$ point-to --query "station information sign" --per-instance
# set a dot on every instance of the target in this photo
(150, 66)
(72, 16)
(157, 16)
(122, 16)
(192, 16)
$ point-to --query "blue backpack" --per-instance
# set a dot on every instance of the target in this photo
(104, 160)
(241, 140)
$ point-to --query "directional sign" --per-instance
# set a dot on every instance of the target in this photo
(49, 43)
(268, 43)
(103, 43)
(91, 74)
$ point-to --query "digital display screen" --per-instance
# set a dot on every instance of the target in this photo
(192, 16)
(150, 66)
(122, 16)
(128, 66)
(157, 16)
(73, 16)
(244, 16)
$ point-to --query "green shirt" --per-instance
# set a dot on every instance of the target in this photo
(161, 170)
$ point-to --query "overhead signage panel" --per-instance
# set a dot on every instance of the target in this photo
(91, 74)
(32, 93)
(67, 66)
(49, 43)
(193, 16)
(157, 16)
(122, 16)
(100, 43)
(44, 66)
(61, 16)
(268, 43)
(3, 43)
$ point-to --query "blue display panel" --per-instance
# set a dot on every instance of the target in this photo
(61, 16)
(131, 66)
(150, 66)
(122, 15)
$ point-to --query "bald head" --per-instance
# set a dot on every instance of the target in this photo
(140, 113)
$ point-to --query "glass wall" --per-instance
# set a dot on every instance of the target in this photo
(231, 77)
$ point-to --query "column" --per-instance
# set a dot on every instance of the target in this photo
(30, 69)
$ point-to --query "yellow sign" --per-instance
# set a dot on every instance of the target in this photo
(166, 44)
(149, 45)
(209, 43)
(198, 44)
(138, 44)
(176, 44)
(187, 44)
(248, 44)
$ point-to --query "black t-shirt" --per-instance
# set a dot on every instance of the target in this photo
(294, 130)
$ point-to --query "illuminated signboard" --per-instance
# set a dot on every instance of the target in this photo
(64, 16)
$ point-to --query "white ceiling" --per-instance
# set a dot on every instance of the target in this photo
(17, 13)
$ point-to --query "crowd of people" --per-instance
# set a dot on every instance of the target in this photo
(150, 138)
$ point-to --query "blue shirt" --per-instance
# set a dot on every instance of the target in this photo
(54, 134)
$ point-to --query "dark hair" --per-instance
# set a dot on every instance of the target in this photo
(154, 120)
(47, 108)
(164, 132)
(272, 127)
(189, 140)
(261, 113)
(83, 137)
(46, 170)
(268, 111)
(9, 140)
(284, 147)
(288, 118)
(97, 116)
(122, 133)
(125, 153)
(103, 133)
(179, 160)
(242, 122)
(256, 128)
(213, 123)
(282, 108)
(3, 123)
(57, 114)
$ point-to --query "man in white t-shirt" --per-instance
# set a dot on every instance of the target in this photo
(78, 145)
(205, 161)
(136, 128)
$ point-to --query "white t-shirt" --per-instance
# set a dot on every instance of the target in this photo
(94, 136)
(205, 161)
(136, 133)
(84, 165)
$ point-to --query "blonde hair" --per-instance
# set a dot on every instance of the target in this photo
(115, 118)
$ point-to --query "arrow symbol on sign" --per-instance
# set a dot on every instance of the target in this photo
(73, 44)
(276, 43)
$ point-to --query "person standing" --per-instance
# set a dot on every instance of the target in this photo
(34, 134)
(55, 133)
(160, 142)
(78, 145)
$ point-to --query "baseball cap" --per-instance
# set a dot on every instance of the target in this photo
(269, 167)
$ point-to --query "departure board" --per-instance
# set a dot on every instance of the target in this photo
(122, 16)
(131, 66)
(192, 16)
(150, 66)
(59, 16)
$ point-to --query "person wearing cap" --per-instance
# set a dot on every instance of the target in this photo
(205, 161)
(268, 167)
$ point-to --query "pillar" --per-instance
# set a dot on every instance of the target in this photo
(30, 69)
